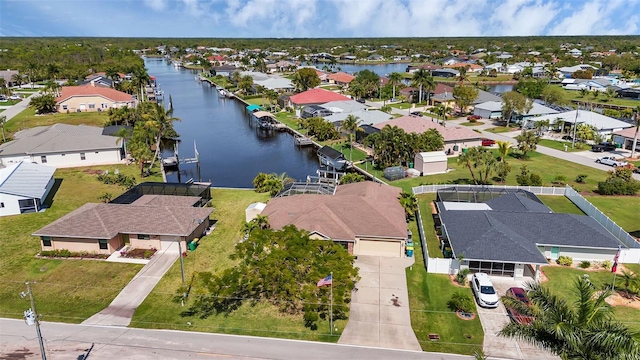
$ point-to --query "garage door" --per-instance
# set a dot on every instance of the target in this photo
(166, 241)
(380, 248)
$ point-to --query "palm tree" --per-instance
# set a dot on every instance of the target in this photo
(53, 71)
(409, 203)
(462, 76)
(351, 125)
(160, 122)
(17, 79)
(527, 141)
(466, 158)
(503, 149)
(3, 119)
(32, 68)
(629, 279)
(584, 330)
(635, 136)
(583, 92)
(139, 79)
(419, 79)
(395, 78)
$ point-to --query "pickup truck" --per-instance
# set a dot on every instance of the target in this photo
(611, 161)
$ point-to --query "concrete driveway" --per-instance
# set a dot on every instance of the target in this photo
(121, 309)
(379, 315)
(493, 320)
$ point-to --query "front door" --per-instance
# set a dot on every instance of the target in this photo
(555, 252)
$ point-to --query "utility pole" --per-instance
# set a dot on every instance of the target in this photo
(31, 317)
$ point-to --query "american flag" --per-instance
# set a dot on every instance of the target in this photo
(326, 281)
(615, 261)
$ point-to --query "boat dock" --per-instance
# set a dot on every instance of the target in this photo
(302, 141)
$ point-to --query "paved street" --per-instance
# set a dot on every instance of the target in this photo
(69, 341)
(379, 314)
(121, 309)
(17, 108)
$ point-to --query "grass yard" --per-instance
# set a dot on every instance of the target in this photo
(560, 204)
(65, 290)
(403, 106)
(433, 244)
(501, 129)
(428, 296)
(28, 119)
(570, 95)
(561, 280)
(559, 145)
(469, 123)
(621, 209)
(259, 319)
(345, 148)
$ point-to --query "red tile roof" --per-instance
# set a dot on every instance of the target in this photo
(418, 125)
(316, 96)
(90, 90)
(358, 209)
(442, 88)
(341, 77)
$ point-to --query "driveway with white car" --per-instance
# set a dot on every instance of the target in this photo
(493, 320)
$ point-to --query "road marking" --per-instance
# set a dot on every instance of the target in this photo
(214, 355)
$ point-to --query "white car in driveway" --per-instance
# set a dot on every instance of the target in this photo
(611, 161)
(15, 97)
(484, 291)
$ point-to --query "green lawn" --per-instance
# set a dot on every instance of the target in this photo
(561, 280)
(433, 244)
(260, 319)
(65, 290)
(501, 129)
(345, 148)
(469, 123)
(9, 102)
(28, 119)
(403, 106)
(560, 204)
(624, 210)
(570, 95)
(428, 296)
(559, 145)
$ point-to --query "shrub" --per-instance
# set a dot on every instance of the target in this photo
(527, 178)
(607, 264)
(565, 260)
(460, 302)
(585, 264)
(560, 180)
(581, 178)
(619, 182)
(461, 276)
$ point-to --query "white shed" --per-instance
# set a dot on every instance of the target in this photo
(253, 210)
(433, 162)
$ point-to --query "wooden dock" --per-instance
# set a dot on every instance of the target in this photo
(302, 141)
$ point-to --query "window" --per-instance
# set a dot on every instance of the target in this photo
(43, 159)
(82, 157)
(1, 205)
(92, 106)
(46, 240)
(103, 244)
(97, 152)
(143, 237)
(65, 107)
(62, 154)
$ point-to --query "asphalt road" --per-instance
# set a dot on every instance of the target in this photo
(70, 341)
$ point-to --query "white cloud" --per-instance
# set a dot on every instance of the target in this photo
(594, 17)
(157, 5)
(523, 17)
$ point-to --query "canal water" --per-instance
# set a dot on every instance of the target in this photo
(232, 149)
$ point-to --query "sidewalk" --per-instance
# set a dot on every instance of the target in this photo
(121, 309)
(17, 108)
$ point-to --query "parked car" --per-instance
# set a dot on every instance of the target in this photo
(484, 291)
(521, 295)
(474, 117)
(605, 146)
(361, 100)
(416, 113)
(487, 142)
(636, 170)
(611, 161)
(567, 137)
(15, 97)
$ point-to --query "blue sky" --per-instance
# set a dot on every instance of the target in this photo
(317, 18)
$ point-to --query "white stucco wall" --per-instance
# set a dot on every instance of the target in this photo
(580, 254)
(11, 206)
(68, 159)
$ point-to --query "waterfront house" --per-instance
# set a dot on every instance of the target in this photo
(605, 125)
(456, 138)
(366, 218)
(446, 73)
(429, 67)
(493, 110)
(316, 96)
(24, 187)
(62, 145)
(340, 78)
(92, 97)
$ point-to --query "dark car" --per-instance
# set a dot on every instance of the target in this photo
(521, 295)
(567, 137)
(605, 146)
(361, 100)
(474, 117)
(488, 142)
(416, 113)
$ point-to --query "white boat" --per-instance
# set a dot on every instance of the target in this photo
(177, 64)
(222, 93)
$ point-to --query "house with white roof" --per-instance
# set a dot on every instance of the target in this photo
(568, 70)
(24, 187)
(493, 110)
(604, 125)
(62, 145)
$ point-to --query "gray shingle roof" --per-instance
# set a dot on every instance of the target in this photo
(516, 202)
(58, 138)
(25, 179)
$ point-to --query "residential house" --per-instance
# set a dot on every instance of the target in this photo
(449, 60)
(340, 78)
(575, 52)
(366, 218)
(512, 233)
(446, 73)
(311, 111)
(567, 71)
(456, 138)
(224, 70)
(7, 75)
(24, 187)
(471, 68)
(141, 217)
(493, 110)
(429, 67)
(442, 94)
(62, 145)
(366, 116)
(375, 57)
(315, 96)
(605, 125)
(625, 138)
(345, 106)
(92, 97)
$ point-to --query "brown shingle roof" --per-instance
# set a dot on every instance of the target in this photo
(418, 125)
(163, 200)
(341, 77)
(359, 209)
(104, 221)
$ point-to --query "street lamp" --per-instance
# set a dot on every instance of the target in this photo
(31, 318)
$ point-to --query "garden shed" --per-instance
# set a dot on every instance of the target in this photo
(432, 162)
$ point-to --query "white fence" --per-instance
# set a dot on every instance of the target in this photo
(442, 266)
(601, 218)
(538, 190)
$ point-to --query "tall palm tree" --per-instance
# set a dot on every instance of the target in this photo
(583, 330)
(395, 78)
(17, 79)
(420, 79)
(503, 149)
(462, 76)
(160, 122)
(3, 119)
(351, 125)
(409, 203)
(140, 78)
(635, 136)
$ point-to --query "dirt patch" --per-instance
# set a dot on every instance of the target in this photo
(619, 298)
(94, 171)
(455, 283)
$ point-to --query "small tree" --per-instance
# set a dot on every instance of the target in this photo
(43, 104)
(527, 178)
(460, 302)
(351, 178)
(105, 197)
(527, 141)
(410, 203)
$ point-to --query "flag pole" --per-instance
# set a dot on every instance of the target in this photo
(331, 307)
